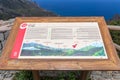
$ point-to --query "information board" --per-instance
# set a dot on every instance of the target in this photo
(59, 43)
(59, 40)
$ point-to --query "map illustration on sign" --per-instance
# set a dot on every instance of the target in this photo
(63, 40)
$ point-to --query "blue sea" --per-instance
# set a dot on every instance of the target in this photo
(106, 8)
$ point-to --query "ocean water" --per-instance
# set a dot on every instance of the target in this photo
(106, 8)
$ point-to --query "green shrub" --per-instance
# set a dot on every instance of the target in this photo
(115, 34)
(23, 75)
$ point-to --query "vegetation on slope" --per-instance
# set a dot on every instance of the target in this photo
(115, 34)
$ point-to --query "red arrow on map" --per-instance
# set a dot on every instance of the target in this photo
(74, 46)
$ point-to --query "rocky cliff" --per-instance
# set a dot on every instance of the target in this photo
(12, 8)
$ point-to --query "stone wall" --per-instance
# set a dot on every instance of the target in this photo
(5, 27)
(7, 75)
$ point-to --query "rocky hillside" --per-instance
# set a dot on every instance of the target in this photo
(115, 20)
(116, 17)
(13, 8)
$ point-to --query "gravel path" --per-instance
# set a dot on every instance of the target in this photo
(8, 75)
(105, 75)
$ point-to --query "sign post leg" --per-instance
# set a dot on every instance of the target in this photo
(84, 75)
(35, 75)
